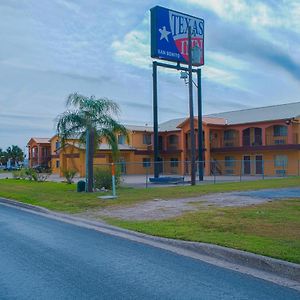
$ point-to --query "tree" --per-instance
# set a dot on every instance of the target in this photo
(15, 154)
(90, 119)
(3, 157)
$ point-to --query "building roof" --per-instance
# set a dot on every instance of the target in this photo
(171, 125)
(260, 114)
(101, 146)
(139, 128)
(40, 140)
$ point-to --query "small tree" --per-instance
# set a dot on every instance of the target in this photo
(69, 175)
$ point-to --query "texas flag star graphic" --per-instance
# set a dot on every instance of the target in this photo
(164, 33)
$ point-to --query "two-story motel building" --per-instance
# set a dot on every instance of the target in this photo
(264, 139)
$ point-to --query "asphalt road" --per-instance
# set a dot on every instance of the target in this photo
(41, 258)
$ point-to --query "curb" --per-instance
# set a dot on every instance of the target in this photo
(267, 268)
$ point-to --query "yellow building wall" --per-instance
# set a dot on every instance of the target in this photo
(293, 166)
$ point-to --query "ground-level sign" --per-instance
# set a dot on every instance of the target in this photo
(169, 36)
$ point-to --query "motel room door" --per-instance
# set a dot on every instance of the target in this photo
(247, 165)
(258, 164)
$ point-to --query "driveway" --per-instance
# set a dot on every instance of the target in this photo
(43, 258)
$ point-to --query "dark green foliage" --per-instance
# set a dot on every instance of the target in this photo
(103, 178)
(69, 175)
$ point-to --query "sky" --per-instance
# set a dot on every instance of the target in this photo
(51, 48)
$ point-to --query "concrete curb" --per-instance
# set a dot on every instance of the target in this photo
(267, 268)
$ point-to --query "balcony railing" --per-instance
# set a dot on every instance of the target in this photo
(276, 140)
(253, 141)
(218, 143)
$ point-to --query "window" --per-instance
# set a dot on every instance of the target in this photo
(121, 139)
(174, 162)
(229, 161)
(57, 145)
(57, 163)
(147, 139)
(229, 135)
(280, 130)
(173, 139)
(280, 161)
(146, 162)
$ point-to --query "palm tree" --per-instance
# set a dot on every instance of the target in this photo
(89, 120)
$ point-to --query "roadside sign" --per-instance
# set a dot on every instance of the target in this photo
(169, 36)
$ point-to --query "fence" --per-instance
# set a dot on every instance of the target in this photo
(141, 174)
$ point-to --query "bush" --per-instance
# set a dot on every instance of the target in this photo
(102, 178)
(30, 174)
(69, 175)
(21, 174)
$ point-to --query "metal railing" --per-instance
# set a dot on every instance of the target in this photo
(256, 140)
(141, 174)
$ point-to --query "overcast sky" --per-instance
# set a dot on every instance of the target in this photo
(50, 48)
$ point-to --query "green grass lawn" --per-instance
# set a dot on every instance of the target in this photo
(63, 197)
(271, 229)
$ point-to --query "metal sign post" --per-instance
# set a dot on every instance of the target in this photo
(155, 121)
(200, 131)
(191, 104)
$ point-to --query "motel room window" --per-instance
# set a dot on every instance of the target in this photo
(57, 164)
(173, 139)
(147, 139)
(57, 145)
(174, 162)
(34, 152)
(280, 130)
(229, 161)
(121, 139)
(146, 162)
(229, 135)
(280, 161)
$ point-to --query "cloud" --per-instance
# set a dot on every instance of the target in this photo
(245, 44)
(255, 14)
(134, 50)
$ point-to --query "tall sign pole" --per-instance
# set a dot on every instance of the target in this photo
(200, 134)
(191, 105)
(155, 121)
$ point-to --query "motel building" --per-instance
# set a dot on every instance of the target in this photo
(256, 141)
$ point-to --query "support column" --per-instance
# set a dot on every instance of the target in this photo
(263, 136)
(155, 121)
(191, 106)
(240, 137)
(290, 134)
(200, 136)
(38, 155)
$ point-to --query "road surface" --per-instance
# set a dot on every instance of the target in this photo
(42, 258)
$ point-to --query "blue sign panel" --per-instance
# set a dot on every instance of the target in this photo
(169, 36)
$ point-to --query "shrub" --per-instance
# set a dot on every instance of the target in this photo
(31, 174)
(20, 174)
(102, 178)
(69, 175)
